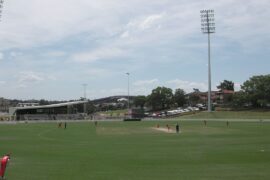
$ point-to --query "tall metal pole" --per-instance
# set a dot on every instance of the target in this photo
(208, 26)
(128, 89)
(209, 75)
(84, 91)
(84, 97)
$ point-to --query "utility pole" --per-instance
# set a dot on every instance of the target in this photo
(84, 97)
(84, 91)
(128, 90)
(208, 27)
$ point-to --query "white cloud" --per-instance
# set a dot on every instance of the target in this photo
(98, 54)
(3, 82)
(150, 21)
(145, 22)
(144, 87)
(237, 86)
(28, 77)
(1, 56)
(146, 82)
(139, 27)
(187, 85)
(51, 77)
(95, 94)
(14, 54)
(140, 90)
(118, 91)
(125, 34)
(21, 86)
(39, 22)
(97, 72)
(149, 35)
(56, 53)
(137, 90)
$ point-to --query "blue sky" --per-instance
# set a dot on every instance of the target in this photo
(48, 49)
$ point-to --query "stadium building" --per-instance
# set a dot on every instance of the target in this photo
(62, 111)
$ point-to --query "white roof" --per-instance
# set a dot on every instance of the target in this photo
(122, 99)
(52, 105)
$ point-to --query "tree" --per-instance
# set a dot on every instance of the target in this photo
(194, 98)
(179, 97)
(43, 102)
(226, 85)
(196, 90)
(90, 108)
(257, 90)
(139, 101)
(160, 98)
(239, 99)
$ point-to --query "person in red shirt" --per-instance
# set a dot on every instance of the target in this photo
(4, 162)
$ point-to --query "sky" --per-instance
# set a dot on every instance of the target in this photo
(49, 49)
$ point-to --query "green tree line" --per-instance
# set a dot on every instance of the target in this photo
(255, 92)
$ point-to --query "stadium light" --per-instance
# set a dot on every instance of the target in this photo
(208, 27)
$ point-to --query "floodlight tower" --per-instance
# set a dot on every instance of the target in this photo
(208, 27)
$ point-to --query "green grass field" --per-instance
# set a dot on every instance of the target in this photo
(115, 113)
(235, 115)
(134, 150)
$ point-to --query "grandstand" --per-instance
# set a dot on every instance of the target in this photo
(112, 99)
(62, 111)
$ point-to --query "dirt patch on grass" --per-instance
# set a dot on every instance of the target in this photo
(165, 130)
